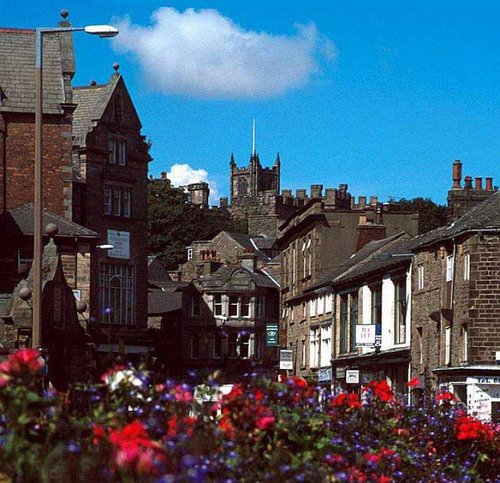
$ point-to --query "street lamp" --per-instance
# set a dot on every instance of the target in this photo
(101, 31)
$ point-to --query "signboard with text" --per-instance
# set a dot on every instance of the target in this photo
(286, 359)
(325, 374)
(365, 335)
(121, 244)
(272, 335)
(352, 376)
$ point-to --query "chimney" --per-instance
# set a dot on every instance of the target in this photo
(362, 202)
(468, 183)
(379, 209)
(300, 194)
(368, 232)
(316, 190)
(373, 200)
(342, 191)
(489, 184)
(331, 196)
(248, 260)
(457, 174)
(286, 193)
(479, 183)
(223, 202)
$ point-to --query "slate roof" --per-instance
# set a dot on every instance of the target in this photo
(246, 242)
(223, 275)
(24, 218)
(161, 302)
(484, 216)
(17, 71)
(264, 243)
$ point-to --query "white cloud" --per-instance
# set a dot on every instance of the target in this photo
(204, 54)
(184, 174)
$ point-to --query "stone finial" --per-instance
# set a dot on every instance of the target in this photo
(116, 67)
(64, 13)
(93, 83)
(51, 229)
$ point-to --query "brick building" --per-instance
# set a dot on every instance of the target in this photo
(319, 239)
(456, 308)
(110, 165)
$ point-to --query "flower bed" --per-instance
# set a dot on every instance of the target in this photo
(131, 428)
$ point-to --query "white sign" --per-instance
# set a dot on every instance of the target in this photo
(121, 243)
(365, 335)
(352, 376)
(286, 359)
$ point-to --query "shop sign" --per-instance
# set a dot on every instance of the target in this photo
(272, 335)
(484, 380)
(325, 374)
(340, 372)
(365, 335)
(121, 244)
(352, 376)
(286, 359)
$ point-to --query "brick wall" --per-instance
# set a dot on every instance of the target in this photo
(17, 145)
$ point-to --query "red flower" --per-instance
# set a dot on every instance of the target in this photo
(347, 400)
(470, 428)
(25, 361)
(380, 390)
(445, 396)
(133, 434)
(99, 433)
(105, 377)
(414, 382)
(266, 422)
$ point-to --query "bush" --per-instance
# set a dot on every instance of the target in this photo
(130, 428)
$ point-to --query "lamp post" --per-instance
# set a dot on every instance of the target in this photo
(101, 31)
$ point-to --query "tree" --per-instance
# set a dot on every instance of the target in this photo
(174, 223)
(431, 214)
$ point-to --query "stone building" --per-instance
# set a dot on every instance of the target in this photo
(463, 198)
(319, 239)
(110, 165)
(456, 308)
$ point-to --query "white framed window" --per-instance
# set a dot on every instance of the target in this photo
(465, 343)
(303, 351)
(420, 276)
(117, 293)
(233, 306)
(189, 253)
(112, 151)
(467, 266)
(321, 305)
(449, 268)
(326, 345)
(447, 345)
(312, 308)
(314, 347)
(238, 345)
(328, 303)
(217, 305)
(108, 200)
(304, 259)
(245, 306)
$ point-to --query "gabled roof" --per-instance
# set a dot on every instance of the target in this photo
(17, 71)
(224, 274)
(92, 102)
(23, 216)
(162, 303)
(484, 216)
(247, 242)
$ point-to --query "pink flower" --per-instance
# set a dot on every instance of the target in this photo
(266, 422)
(445, 396)
(182, 395)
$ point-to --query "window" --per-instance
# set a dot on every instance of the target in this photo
(238, 345)
(195, 306)
(326, 345)
(261, 307)
(353, 321)
(242, 187)
(245, 306)
(465, 343)
(244, 345)
(117, 293)
(294, 262)
(232, 345)
(118, 108)
(344, 323)
(377, 313)
(420, 343)
(217, 305)
(194, 346)
(467, 266)
(312, 308)
(117, 152)
(233, 306)
(321, 305)
(24, 257)
(217, 345)
(420, 276)
(189, 253)
(449, 268)
(400, 311)
(304, 258)
(447, 345)
(314, 347)
(303, 345)
(328, 303)
(117, 200)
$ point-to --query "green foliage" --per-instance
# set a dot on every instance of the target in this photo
(174, 222)
(432, 215)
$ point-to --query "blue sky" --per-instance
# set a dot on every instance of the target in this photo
(380, 95)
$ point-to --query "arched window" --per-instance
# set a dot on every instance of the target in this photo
(242, 187)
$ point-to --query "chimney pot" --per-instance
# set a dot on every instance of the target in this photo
(479, 183)
(468, 182)
(373, 200)
(489, 184)
(457, 174)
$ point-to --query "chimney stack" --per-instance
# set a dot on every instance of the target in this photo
(489, 184)
(379, 208)
(248, 260)
(457, 174)
(479, 183)
(468, 183)
(316, 190)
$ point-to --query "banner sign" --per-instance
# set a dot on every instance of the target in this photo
(286, 359)
(325, 374)
(365, 335)
(272, 335)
